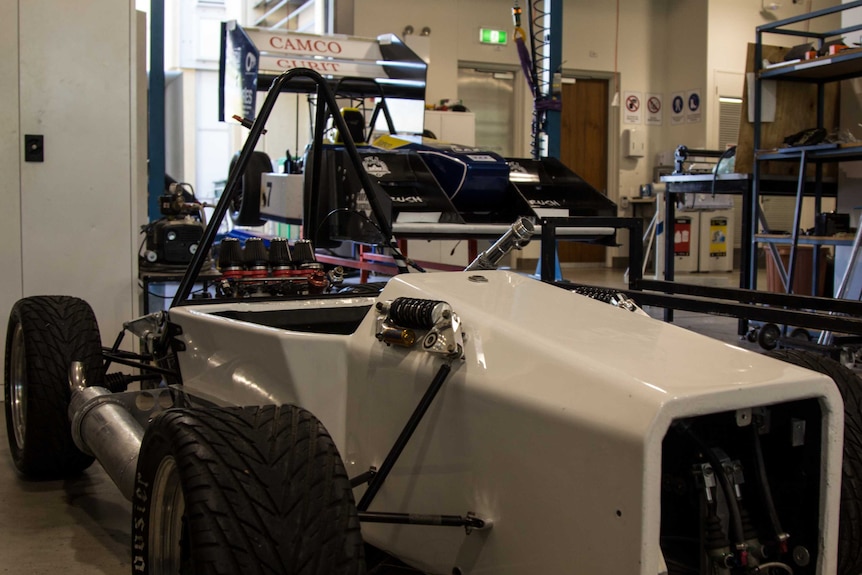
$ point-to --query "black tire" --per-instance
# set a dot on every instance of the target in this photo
(243, 490)
(245, 205)
(800, 333)
(768, 336)
(45, 335)
(850, 517)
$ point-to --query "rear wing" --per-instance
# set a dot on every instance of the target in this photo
(251, 58)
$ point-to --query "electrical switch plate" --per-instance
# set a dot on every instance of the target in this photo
(34, 148)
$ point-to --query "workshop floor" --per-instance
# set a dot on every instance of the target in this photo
(82, 525)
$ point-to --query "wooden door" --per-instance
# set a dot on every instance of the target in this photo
(584, 150)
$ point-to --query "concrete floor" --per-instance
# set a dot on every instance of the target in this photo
(83, 525)
(73, 527)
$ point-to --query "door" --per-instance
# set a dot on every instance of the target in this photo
(490, 95)
(584, 150)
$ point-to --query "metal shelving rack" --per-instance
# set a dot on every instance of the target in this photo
(819, 71)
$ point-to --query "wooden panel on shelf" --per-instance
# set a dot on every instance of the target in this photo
(795, 110)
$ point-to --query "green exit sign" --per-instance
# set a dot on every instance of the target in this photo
(488, 36)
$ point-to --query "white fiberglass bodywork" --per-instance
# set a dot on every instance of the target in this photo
(550, 426)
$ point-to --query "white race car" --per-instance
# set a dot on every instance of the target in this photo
(476, 422)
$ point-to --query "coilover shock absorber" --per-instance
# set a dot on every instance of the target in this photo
(416, 313)
(401, 316)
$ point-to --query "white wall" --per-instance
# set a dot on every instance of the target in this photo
(11, 287)
(70, 224)
(444, 17)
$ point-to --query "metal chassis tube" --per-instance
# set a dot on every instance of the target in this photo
(750, 304)
(549, 241)
(326, 103)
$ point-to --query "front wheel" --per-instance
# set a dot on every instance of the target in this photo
(45, 335)
(250, 490)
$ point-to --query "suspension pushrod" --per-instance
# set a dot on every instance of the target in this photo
(139, 365)
(377, 481)
(421, 519)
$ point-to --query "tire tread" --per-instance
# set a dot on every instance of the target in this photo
(265, 489)
(57, 330)
(850, 516)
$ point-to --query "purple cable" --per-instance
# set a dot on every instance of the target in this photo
(526, 62)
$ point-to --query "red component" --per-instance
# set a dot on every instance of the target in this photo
(743, 558)
(682, 237)
(317, 282)
(233, 274)
(286, 273)
(783, 545)
(262, 273)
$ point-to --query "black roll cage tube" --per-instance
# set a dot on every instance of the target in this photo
(326, 103)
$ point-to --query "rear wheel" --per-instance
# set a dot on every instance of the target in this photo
(45, 335)
(850, 386)
(247, 490)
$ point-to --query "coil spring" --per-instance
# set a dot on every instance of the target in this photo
(116, 382)
(413, 312)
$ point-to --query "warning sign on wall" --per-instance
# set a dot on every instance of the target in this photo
(677, 107)
(717, 237)
(693, 107)
(653, 109)
(682, 237)
(633, 108)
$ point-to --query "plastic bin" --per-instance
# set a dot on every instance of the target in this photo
(802, 274)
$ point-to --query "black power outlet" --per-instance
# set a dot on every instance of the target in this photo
(34, 148)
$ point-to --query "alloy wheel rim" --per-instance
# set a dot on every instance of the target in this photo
(166, 532)
(18, 387)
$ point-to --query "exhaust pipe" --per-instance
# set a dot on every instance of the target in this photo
(104, 427)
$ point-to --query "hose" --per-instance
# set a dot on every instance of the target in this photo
(763, 481)
(726, 488)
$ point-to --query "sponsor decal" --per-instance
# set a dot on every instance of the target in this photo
(407, 200)
(375, 166)
(546, 204)
(316, 65)
(362, 203)
(312, 45)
